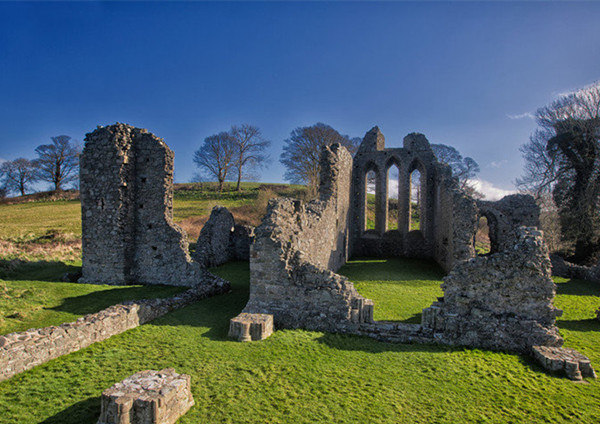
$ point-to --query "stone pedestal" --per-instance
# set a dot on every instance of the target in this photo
(148, 397)
(251, 327)
(573, 363)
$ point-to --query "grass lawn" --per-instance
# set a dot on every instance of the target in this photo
(400, 288)
(33, 297)
(298, 376)
(34, 219)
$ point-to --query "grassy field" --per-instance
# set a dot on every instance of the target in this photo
(303, 377)
(45, 229)
(33, 297)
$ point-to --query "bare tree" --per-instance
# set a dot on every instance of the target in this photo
(216, 157)
(18, 175)
(563, 157)
(465, 169)
(58, 162)
(301, 153)
(250, 149)
(541, 170)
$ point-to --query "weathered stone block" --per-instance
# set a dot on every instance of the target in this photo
(148, 397)
(251, 327)
(574, 364)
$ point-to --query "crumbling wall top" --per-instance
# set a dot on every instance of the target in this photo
(373, 141)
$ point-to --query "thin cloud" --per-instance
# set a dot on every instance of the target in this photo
(490, 191)
(526, 115)
(498, 163)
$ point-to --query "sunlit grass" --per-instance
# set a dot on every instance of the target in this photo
(299, 376)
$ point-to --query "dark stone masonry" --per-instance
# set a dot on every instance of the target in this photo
(221, 240)
(128, 232)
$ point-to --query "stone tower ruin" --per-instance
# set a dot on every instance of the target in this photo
(127, 211)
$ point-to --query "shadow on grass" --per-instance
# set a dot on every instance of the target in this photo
(369, 345)
(578, 288)
(35, 270)
(98, 300)
(583, 325)
(215, 312)
(390, 269)
(85, 411)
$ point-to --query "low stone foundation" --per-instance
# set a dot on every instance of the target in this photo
(562, 268)
(573, 363)
(148, 397)
(251, 327)
(25, 350)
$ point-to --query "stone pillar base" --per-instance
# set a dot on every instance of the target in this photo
(148, 397)
(573, 363)
(251, 327)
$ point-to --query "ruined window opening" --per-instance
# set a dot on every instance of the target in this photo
(392, 197)
(141, 206)
(416, 200)
(483, 244)
(154, 248)
(149, 226)
(143, 179)
(370, 206)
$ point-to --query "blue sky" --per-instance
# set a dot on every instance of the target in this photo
(461, 72)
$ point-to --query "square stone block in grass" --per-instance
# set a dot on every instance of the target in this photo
(251, 327)
(148, 397)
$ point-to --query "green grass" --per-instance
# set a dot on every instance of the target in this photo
(400, 288)
(34, 219)
(35, 298)
(299, 376)
(28, 220)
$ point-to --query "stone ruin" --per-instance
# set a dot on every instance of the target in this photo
(222, 240)
(503, 300)
(147, 397)
(500, 301)
(128, 233)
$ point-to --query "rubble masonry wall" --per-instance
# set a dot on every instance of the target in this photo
(128, 233)
(297, 247)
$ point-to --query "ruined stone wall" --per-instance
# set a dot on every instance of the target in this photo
(127, 211)
(455, 221)
(501, 301)
(565, 269)
(506, 215)
(295, 250)
(25, 350)
(448, 216)
(221, 240)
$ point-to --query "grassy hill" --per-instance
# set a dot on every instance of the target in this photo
(48, 226)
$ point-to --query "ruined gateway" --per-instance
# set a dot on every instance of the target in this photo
(500, 301)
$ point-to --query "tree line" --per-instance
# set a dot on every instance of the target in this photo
(56, 163)
(242, 151)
